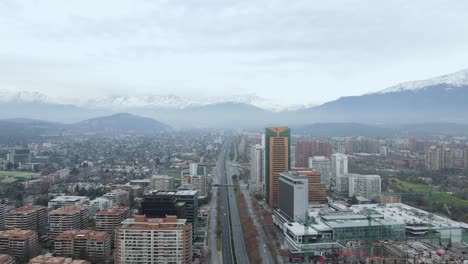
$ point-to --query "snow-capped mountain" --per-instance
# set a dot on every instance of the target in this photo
(23, 96)
(143, 101)
(456, 79)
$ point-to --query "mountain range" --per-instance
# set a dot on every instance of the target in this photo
(440, 99)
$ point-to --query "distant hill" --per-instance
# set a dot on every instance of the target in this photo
(440, 99)
(119, 123)
(436, 100)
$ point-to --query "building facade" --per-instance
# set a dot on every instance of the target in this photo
(21, 244)
(317, 190)
(154, 240)
(29, 217)
(84, 244)
(277, 147)
(68, 218)
(367, 186)
(339, 167)
(109, 219)
(293, 195)
(256, 167)
(162, 183)
(321, 164)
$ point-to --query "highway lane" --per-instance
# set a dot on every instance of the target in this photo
(215, 258)
(224, 207)
(238, 237)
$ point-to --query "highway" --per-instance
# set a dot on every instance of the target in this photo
(232, 239)
(224, 206)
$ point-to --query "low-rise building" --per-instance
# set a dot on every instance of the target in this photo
(67, 200)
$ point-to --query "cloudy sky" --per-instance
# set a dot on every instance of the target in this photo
(289, 51)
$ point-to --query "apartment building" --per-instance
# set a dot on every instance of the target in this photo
(109, 219)
(7, 259)
(49, 259)
(154, 240)
(68, 218)
(29, 217)
(118, 197)
(21, 244)
(93, 246)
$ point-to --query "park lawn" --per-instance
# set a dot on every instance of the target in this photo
(13, 176)
(438, 196)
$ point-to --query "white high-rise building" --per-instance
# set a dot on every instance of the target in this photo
(193, 169)
(293, 195)
(256, 167)
(339, 166)
(321, 164)
(292, 157)
(368, 186)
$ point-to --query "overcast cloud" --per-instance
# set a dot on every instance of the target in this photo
(296, 51)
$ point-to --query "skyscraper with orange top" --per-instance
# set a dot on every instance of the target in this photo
(277, 148)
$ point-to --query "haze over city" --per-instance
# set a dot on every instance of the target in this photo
(233, 132)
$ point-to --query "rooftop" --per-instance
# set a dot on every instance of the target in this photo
(408, 215)
(69, 198)
(67, 210)
(299, 229)
(116, 210)
(80, 234)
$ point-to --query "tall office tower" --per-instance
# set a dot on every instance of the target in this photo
(256, 167)
(304, 150)
(84, 244)
(29, 217)
(109, 219)
(50, 259)
(339, 167)
(162, 183)
(277, 147)
(2, 216)
(157, 240)
(19, 155)
(293, 195)
(21, 244)
(118, 197)
(7, 259)
(317, 190)
(183, 204)
(193, 168)
(321, 164)
(67, 218)
(367, 186)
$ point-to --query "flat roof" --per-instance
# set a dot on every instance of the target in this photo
(408, 215)
(299, 229)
